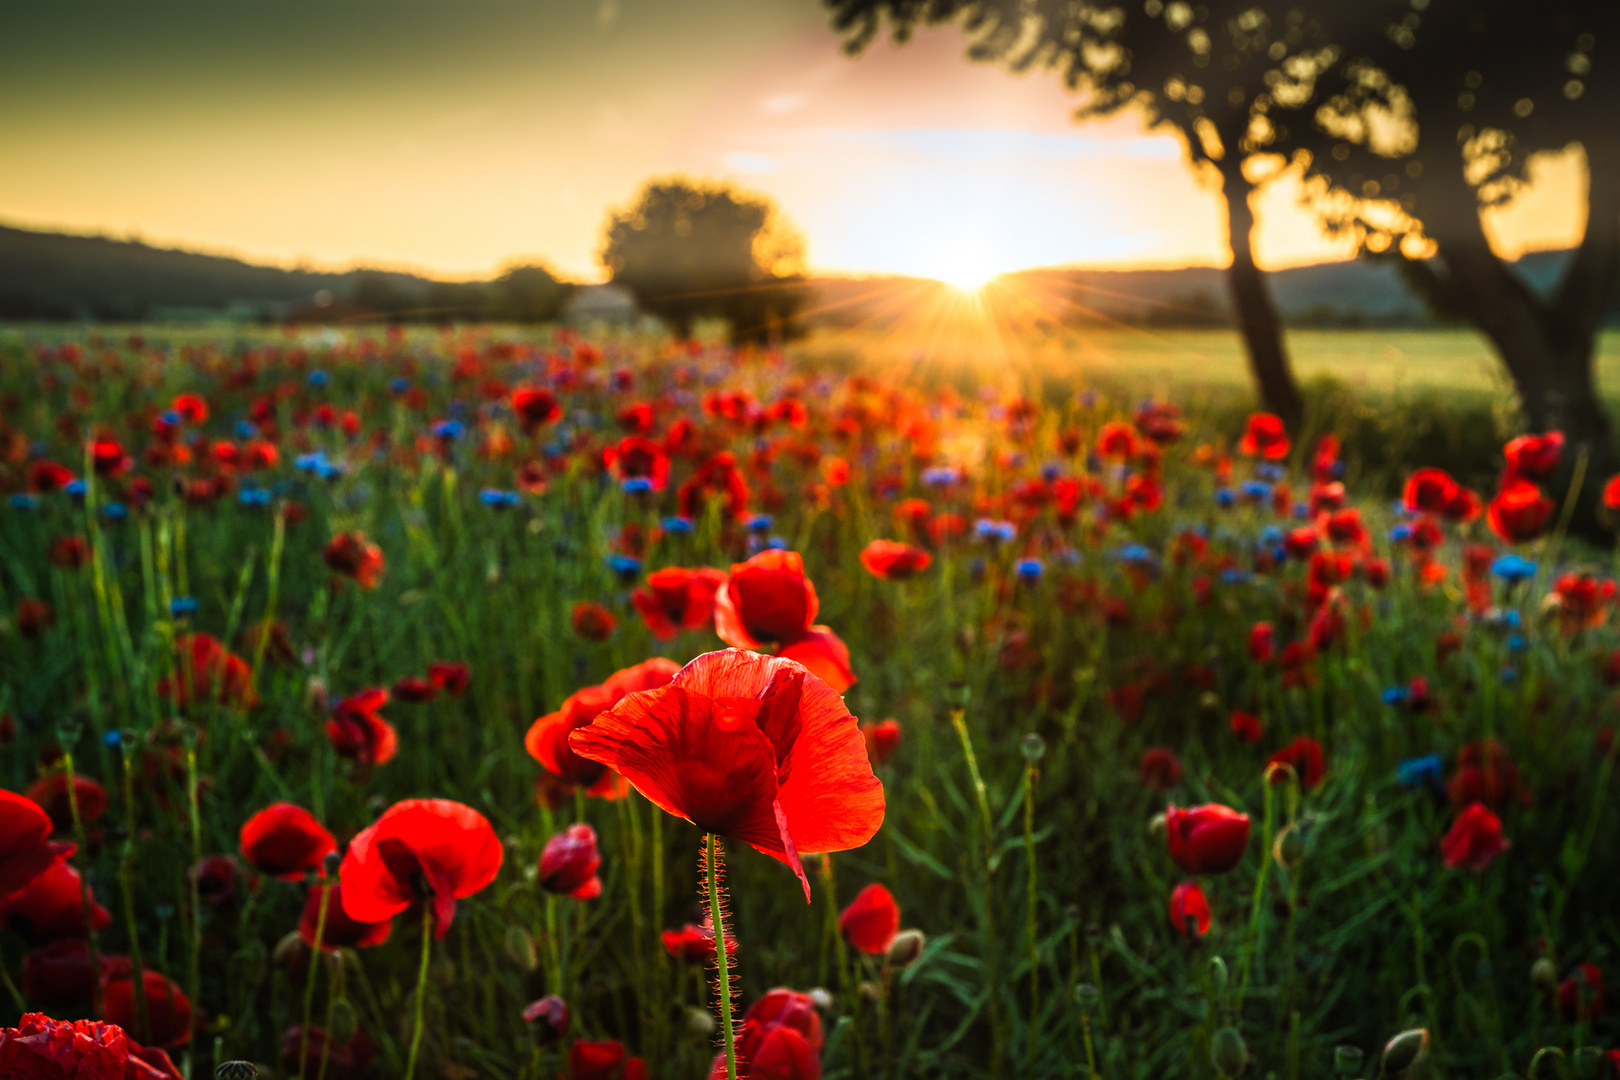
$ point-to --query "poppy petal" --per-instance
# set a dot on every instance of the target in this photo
(825, 655)
(790, 854)
(832, 800)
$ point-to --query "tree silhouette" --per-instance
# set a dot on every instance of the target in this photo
(1433, 115)
(689, 250)
(528, 294)
(1222, 73)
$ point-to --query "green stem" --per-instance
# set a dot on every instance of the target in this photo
(142, 1027)
(1033, 933)
(84, 885)
(1252, 945)
(421, 987)
(11, 987)
(194, 976)
(959, 721)
(722, 963)
(309, 981)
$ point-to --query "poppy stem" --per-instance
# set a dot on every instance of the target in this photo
(84, 882)
(137, 968)
(309, 981)
(421, 988)
(194, 813)
(1252, 944)
(721, 962)
(1031, 773)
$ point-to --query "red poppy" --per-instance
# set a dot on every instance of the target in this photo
(46, 1049)
(1463, 507)
(358, 732)
(882, 740)
(1429, 491)
(638, 457)
(1246, 726)
(285, 841)
(1520, 512)
(51, 793)
(26, 849)
(168, 1010)
(1208, 839)
(871, 920)
(1189, 909)
(215, 876)
(52, 907)
(1487, 774)
(70, 552)
(1474, 840)
(343, 1061)
(107, 458)
(824, 654)
(1611, 498)
(1301, 543)
(765, 599)
(716, 477)
(207, 671)
(781, 1039)
(1116, 441)
(48, 476)
(1580, 996)
(677, 599)
(593, 622)
(604, 1060)
(1262, 642)
(1264, 436)
(534, 407)
(693, 944)
(451, 676)
(340, 931)
(531, 478)
(441, 845)
(353, 556)
(1304, 756)
(893, 561)
(746, 746)
(1161, 769)
(569, 863)
(547, 738)
(193, 408)
(34, 617)
(1532, 457)
(414, 690)
(1583, 601)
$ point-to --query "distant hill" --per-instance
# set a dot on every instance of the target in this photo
(55, 276)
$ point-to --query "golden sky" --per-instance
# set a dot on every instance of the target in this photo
(454, 137)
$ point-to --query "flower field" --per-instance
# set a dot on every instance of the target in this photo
(432, 704)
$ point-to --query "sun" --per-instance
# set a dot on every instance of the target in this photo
(970, 281)
(967, 266)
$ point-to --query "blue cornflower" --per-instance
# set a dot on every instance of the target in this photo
(253, 497)
(1030, 569)
(627, 567)
(496, 499)
(310, 463)
(1050, 471)
(1134, 553)
(399, 384)
(1396, 695)
(76, 489)
(1420, 771)
(23, 501)
(776, 543)
(318, 378)
(448, 430)
(1225, 497)
(183, 605)
(635, 485)
(245, 430)
(1254, 489)
(677, 526)
(1399, 534)
(115, 511)
(1513, 568)
(940, 476)
(760, 523)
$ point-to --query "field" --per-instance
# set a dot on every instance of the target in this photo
(1172, 748)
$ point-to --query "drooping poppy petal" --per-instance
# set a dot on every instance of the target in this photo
(339, 931)
(285, 841)
(445, 845)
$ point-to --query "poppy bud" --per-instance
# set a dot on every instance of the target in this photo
(1086, 997)
(1157, 825)
(871, 991)
(700, 1022)
(290, 952)
(871, 921)
(1218, 974)
(1347, 1060)
(1289, 847)
(1189, 910)
(547, 1019)
(316, 698)
(1543, 974)
(1229, 1053)
(569, 863)
(906, 947)
(520, 948)
(821, 998)
(1033, 748)
(1404, 1051)
(344, 1024)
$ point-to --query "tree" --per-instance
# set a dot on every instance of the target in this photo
(1215, 73)
(689, 249)
(1433, 115)
(529, 294)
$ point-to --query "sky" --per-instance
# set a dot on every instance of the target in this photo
(452, 137)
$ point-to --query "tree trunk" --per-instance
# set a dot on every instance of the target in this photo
(1257, 316)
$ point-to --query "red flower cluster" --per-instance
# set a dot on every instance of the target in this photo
(781, 1039)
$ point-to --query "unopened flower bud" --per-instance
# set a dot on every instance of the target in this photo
(1157, 826)
(1289, 848)
(1228, 1051)
(330, 864)
(316, 698)
(344, 1022)
(290, 952)
(520, 949)
(1086, 997)
(1033, 747)
(700, 1023)
(547, 1019)
(1210, 702)
(906, 946)
(871, 991)
(1543, 974)
(821, 998)
(1347, 1060)
(1217, 974)
(1404, 1051)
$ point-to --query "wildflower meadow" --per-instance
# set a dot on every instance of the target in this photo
(514, 705)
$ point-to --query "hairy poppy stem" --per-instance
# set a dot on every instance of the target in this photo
(721, 962)
(421, 988)
(309, 981)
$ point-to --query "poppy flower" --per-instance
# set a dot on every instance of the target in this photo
(1262, 642)
(70, 552)
(693, 944)
(48, 476)
(1246, 726)
(451, 676)
(1189, 909)
(824, 654)
(677, 599)
(67, 1049)
(358, 732)
(1533, 457)
(1116, 441)
(414, 689)
(893, 561)
(285, 841)
(569, 863)
(34, 617)
(882, 740)
(871, 920)
(1474, 840)
(604, 1060)
(52, 907)
(534, 407)
(344, 1061)
(1583, 601)
(1304, 756)
(547, 1018)
(107, 458)
(766, 599)
(1265, 437)
(193, 408)
(215, 876)
(26, 849)
(1487, 774)
(781, 1039)
(58, 975)
(1429, 491)
(1519, 512)
(547, 738)
(419, 850)
(1611, 493)
(353, 556)
(1161, 769)
(168, 1010)
(1208, 839)
(206, 670)
(1580, 996)
(746, 746)
(718, 477)
(638, 457)
(51, 793)
(593, 622)
(340, 931)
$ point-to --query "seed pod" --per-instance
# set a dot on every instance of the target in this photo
(1347, 1060)
(1033, 748)
(1404, 1051)
(344, 1022)
(236, 1070)
(1229, 1053)
(821, 998)
(700, 1023)
(290, 952)
(906, 947)
(1543, 974)
(1086, 997)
